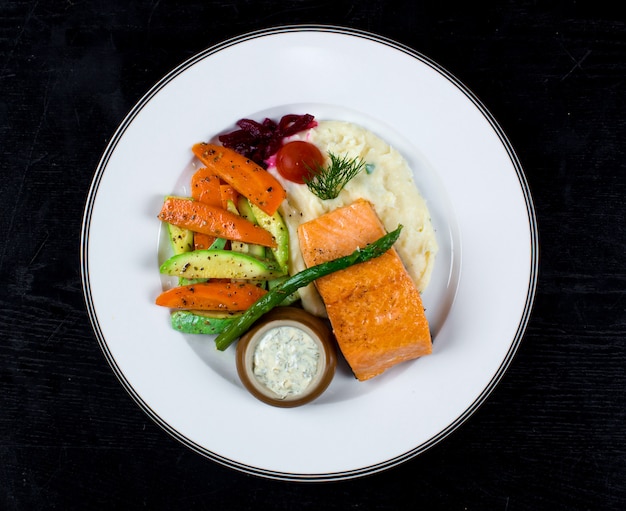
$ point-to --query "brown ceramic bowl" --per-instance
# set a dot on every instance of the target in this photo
(293, 317)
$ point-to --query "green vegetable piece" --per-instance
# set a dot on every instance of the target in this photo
(181, 239)
(256, 250)
(245, 210)
(231, 208)
(200, 322)
(220, 264)
(240, 246)
(292, 298)
(327, 182)
(182, 281)
(277, 227)
(218, 244)
(236, 246)
(276, 296)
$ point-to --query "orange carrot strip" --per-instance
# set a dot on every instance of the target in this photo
(199, 217)
(245, 176)
(228, 193)
(213, 296)
(202, 241)
(205, 187)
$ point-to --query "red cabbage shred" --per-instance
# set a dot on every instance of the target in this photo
(259, 141)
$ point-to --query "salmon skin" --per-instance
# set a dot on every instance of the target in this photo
(375, 309)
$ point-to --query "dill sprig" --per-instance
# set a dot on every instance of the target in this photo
(326, 182)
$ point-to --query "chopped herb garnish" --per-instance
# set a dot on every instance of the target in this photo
(327, 182)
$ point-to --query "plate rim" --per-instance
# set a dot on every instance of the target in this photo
(460, 86)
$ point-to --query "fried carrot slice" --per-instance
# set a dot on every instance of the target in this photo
(213, 296)
(202, 241)
(205, 187)
(245, 176)
(200, 217)
(228, 193)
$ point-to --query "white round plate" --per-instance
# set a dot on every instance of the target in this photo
(478, 301)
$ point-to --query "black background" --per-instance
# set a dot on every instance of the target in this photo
(552, 434)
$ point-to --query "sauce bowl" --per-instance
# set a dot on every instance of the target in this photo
(287, 358)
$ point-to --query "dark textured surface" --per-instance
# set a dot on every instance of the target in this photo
(552, 434)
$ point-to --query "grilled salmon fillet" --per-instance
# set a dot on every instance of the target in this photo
(375, 310)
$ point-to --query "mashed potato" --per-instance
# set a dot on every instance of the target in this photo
(388, 185)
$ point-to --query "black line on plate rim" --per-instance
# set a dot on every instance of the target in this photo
(317, 477)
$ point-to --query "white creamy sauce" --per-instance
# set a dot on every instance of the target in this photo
(388, 185)
(285, 360)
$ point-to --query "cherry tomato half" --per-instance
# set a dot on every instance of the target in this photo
(295, 160)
